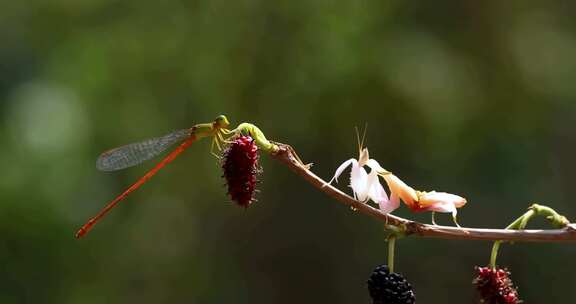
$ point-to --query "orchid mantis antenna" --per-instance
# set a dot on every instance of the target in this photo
(361, 141)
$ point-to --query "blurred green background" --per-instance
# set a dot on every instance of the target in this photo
(474, 98)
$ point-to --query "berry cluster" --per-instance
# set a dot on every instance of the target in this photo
(495, 286)
(389, 288)
(240, 166)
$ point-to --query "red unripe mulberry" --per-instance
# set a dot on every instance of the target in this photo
(495, 286)
(240, 166)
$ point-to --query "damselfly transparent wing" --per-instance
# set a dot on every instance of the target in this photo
(136, 153)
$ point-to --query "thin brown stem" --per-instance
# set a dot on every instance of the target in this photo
(285, 155)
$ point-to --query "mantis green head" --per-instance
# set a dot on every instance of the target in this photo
(221, 122)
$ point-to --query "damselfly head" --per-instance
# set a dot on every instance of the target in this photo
(221, 122)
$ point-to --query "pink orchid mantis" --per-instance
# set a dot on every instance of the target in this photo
(366, 186)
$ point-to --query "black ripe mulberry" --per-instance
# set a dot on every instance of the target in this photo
(240, 166)
(389, 288)
(495, 286)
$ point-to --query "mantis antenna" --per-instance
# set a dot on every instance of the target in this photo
(361, 141)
